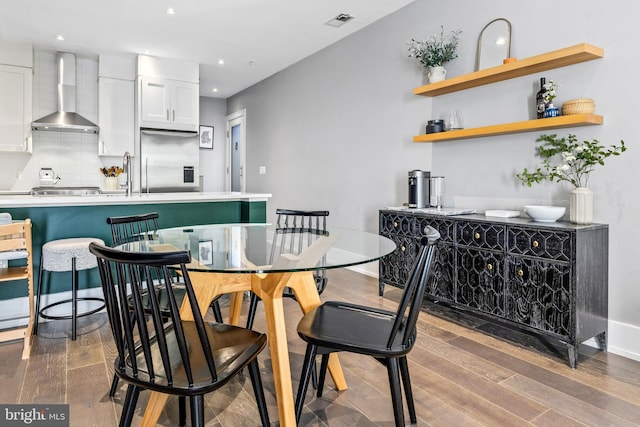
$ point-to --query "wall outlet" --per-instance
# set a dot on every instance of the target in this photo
(262, 170)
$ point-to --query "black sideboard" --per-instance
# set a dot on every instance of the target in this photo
(549, 279)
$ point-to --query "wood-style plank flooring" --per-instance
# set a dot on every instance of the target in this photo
(460, 376)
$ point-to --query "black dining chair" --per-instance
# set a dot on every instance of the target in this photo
(386, 336)
(187, 358)
(289, 221)
(133, 228)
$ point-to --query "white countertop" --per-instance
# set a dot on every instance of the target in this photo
(15, 201)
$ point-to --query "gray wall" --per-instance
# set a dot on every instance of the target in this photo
(212, 162)
(335, 130)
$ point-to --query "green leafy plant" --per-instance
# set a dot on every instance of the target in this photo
(437, 50)
(566, 159)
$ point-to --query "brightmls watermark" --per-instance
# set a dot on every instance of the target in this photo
(34, 415)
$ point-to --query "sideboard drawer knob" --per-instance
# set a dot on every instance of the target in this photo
(477, 235)
(489, 267)
(395, 224)
(520, 273)
(535, 244)
(402, 248)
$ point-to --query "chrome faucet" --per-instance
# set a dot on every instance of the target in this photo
(126, 166)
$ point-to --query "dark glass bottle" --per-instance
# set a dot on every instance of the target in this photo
(540, 104)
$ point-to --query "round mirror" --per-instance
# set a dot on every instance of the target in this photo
(494, 44)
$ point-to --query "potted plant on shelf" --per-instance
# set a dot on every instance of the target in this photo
(566, 159)
(434, 52)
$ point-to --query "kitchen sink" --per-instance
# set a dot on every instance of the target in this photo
(65, 191)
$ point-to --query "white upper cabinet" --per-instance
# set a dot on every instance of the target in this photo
(115, 116)
(168, 94)
(16, 78)
(116, 105)
(168, 104)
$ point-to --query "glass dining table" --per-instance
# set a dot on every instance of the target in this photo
(235, 258)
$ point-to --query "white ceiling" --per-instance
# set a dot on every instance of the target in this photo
(255, 38)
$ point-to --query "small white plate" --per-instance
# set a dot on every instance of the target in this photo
(502, 213)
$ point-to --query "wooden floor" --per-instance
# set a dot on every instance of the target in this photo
(460, 376)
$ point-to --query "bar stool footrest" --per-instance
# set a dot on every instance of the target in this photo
(67, 301)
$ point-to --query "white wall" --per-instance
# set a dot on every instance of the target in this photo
(335, 129)
(212, 162)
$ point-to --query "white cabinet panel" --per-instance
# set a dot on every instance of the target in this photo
(168, 104)
(115, 116)
(15, 109)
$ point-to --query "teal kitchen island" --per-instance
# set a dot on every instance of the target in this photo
(59, 217)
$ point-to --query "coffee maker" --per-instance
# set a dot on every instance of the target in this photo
(419, 189)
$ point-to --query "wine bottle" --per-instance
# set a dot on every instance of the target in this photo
(540, 104)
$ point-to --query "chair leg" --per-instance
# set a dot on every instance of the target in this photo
(217, 313)
(114, 385)
(182, 411)
(253, 306)
(309, 359)
(396, 394)
(324, 365)
(258, 390)
(197, 410)
(129, 405)
(39, 294)
(406, 383)
(74, 298)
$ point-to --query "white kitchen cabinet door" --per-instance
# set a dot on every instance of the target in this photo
(185, 104)
(115, 116)
(155, 101)
(15, 109)
(169, 104)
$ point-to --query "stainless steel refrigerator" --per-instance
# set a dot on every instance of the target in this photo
(169, 161)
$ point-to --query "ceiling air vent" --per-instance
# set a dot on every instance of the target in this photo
(339, 20)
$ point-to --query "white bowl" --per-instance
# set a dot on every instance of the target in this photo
(545, 213)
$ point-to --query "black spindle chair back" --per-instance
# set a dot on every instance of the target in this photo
(165, 353)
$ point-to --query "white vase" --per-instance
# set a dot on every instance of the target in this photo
(581, 206)
(436, 74)
(110, 183)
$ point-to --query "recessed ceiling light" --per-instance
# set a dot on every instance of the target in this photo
(171, 11)
(339, 20)
(59, 37)
(220, 61)
(215, 89)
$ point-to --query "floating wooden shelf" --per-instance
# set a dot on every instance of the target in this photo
(573, 120)
(535, 64)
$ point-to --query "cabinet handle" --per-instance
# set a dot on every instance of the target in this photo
(167, 114)
(477, 235)
(535, 244)
(402, 248)
(395, 224)
(489, 267)
(520, 273)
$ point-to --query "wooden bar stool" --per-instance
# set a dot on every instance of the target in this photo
(67, 255)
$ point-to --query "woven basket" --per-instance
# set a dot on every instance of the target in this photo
(578, 106)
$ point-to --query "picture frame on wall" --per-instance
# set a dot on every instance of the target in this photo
(206, 137)
(205, 252)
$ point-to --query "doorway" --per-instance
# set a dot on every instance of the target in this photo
(236, 152)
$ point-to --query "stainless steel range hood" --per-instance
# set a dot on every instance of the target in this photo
(66, 119)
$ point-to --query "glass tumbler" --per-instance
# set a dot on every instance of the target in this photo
(436, 192)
